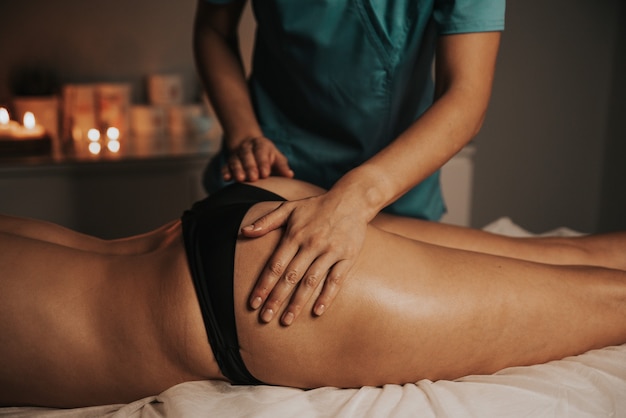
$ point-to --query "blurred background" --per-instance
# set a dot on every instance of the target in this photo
(551, 152)
(553, 148)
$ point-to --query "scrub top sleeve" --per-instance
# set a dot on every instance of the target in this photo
(466, 16)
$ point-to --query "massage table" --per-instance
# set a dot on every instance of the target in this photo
(592, 384)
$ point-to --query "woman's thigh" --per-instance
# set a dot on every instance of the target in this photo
(606, 250)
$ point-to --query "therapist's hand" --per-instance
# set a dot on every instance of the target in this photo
(323, 236)
(253, 159)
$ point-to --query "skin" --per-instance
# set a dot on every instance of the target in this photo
(325, 233)
(125, 318)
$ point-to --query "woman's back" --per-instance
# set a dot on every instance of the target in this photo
(82, 328)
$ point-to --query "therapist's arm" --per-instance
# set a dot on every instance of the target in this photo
(216, 49)
(324, 234)
(465, 68)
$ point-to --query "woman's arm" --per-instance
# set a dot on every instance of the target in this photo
(326, 232)
(216, 49)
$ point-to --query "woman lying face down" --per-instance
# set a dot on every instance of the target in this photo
(86, 322)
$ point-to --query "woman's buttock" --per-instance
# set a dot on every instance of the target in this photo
(360, 340)
(409, 311)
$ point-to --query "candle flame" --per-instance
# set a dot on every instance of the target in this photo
(93, 135)
(113, 134)
(94, 148)
(114, 146)
(29, 120)
(4, 116)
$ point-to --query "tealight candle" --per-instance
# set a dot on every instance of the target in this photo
(8, 127)
(30, 129)
(93, 135)
(4, 117)
(94, 146)
(113, 136)
(20, 140)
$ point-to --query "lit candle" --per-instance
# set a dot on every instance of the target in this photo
(29, 120)
(113, 136)
(30, 129)
(94, 146)
(113, 146)
(8, 127)
(93, 135)
(4, 116)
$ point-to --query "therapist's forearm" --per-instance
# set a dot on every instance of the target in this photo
(432, 140)
(465, 71)
(221, 70)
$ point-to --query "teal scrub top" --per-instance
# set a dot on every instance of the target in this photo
(335, 81)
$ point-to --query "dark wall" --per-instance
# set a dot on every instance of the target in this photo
(613, 204)
(98, 40)
(541, 152)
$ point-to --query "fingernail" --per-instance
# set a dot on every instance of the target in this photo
(319, 309)
(267, 315)
(256, 302)
(288, 318)
(251, 228)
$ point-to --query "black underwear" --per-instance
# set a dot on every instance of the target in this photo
(210, 230)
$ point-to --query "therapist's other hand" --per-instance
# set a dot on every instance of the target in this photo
(323, 236)
(255, 158)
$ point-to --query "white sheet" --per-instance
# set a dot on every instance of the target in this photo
(590, 385)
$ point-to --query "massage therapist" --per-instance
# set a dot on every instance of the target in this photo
(342, 95)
